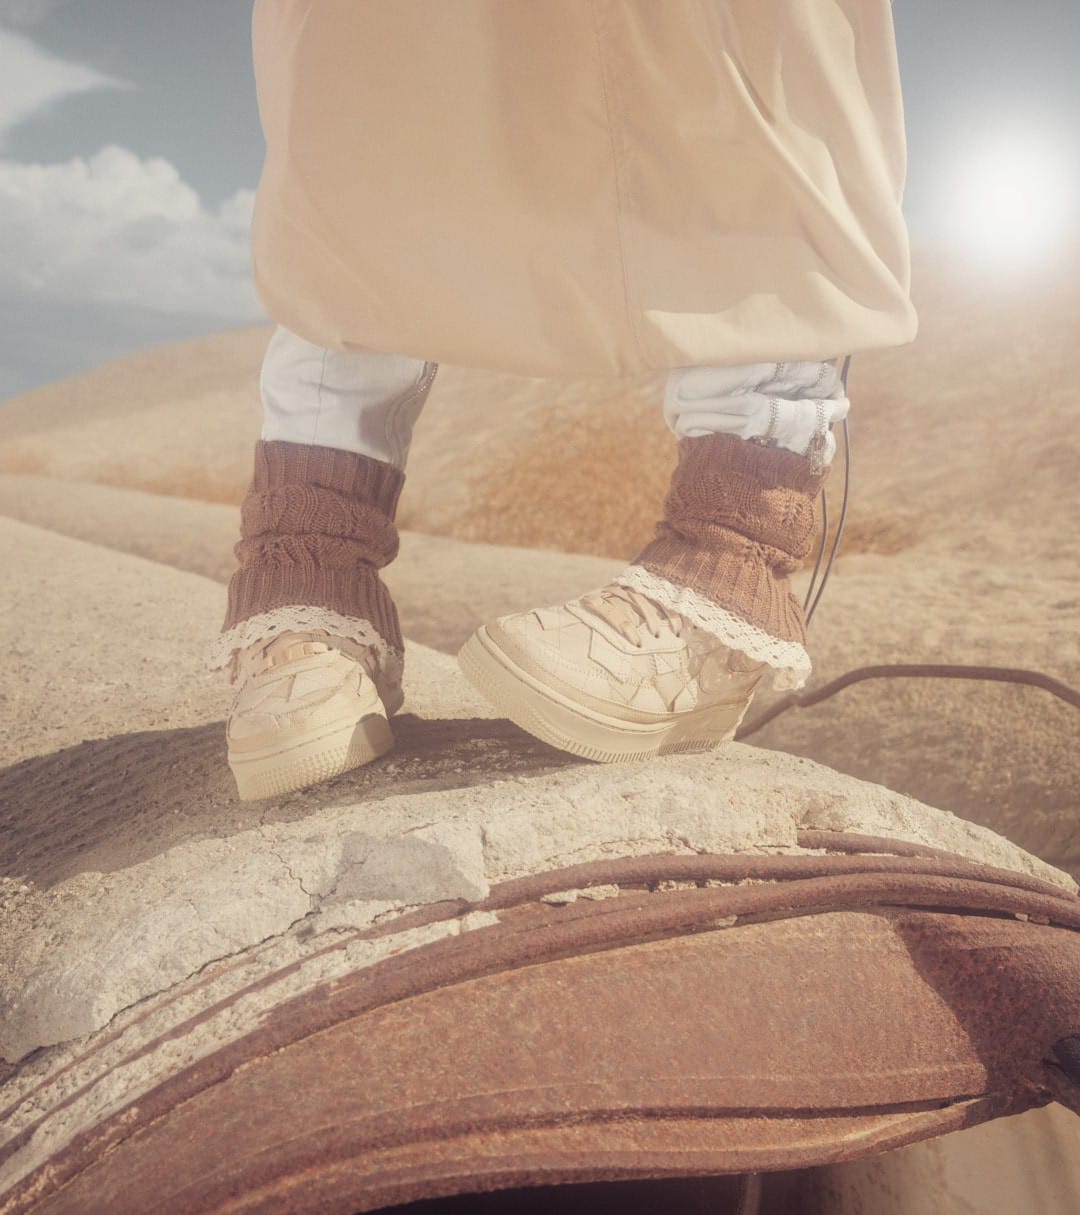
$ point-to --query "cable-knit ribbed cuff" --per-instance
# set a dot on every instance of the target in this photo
(738, 519)
(284, 494)
(317, 525)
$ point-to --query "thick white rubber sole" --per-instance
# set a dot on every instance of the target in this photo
(337, 749)
(553, 718)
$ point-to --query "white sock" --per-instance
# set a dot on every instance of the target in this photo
(789, 405)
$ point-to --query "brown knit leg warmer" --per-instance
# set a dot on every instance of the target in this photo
(738, 520)
(317, 525)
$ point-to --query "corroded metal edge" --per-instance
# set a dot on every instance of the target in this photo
(845, 883)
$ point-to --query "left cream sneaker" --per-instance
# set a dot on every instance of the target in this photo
(303, 712)
(612, 676)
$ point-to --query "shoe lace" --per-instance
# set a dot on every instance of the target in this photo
(258, 658)
(627, 610)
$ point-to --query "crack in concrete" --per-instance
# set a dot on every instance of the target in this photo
(312, 895)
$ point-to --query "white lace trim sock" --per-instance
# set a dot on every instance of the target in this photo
(355, 637)
(789, 661)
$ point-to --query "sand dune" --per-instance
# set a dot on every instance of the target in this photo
(98, 643)
(967, 438)
(226, 363)
(181, 532)
(443, 587)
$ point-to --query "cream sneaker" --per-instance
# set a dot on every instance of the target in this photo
(612, 676)
(304, 712)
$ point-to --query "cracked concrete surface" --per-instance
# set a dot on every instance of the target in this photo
(76, 955)
(408, 869)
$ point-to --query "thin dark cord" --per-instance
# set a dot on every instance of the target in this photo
(1016, 675)
(813, 591)
(820, 554)
(840, 525)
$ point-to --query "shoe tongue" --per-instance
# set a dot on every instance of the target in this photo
(290, 646)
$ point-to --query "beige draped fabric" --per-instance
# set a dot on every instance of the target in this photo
(582, 187)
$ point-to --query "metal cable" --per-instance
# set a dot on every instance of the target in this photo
(839, 526)
(925, 670)
(812, 600)
(820, 555)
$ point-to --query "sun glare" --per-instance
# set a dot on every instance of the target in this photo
(1015, 199)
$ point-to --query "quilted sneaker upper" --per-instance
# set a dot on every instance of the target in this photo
(627, 653)
(296, 686)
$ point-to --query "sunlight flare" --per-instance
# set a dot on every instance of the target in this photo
(1015, 198)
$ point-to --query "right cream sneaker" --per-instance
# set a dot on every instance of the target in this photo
(303, 712)
(612, 676)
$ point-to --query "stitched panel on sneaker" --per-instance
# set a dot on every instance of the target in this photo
(325, 681)
(670, 686)
(671, 662)
(591, 687)
(613, 660)
(649, 699)
(549, 618)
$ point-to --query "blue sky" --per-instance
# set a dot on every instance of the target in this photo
(130, 149)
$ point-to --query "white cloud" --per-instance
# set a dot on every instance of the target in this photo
(113, 228)
(33, 79)
(120, 229)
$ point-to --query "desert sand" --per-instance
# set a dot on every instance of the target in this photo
(118, 494)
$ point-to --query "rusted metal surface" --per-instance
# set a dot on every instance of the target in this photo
(838, 1006)
(648, 872)
(889, 856)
